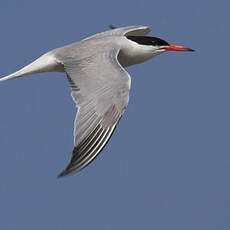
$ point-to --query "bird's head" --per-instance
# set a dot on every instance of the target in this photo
(158, 44)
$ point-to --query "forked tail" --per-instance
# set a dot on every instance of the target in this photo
(45, 63)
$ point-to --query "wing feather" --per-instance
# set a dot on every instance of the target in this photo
(100, 88)
(123, 31)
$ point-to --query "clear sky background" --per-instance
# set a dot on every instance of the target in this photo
(167, 165)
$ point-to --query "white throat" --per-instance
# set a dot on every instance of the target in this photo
(133, 53)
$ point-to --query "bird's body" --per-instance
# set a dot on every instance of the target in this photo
(100, 85)
(129, 54)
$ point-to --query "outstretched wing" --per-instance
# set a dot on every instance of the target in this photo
(100, 88)
(123, 31)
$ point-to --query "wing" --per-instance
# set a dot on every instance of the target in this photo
(122, 31)
(100, 88)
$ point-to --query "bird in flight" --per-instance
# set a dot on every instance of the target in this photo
(100, 85)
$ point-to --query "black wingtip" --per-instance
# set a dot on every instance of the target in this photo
(63, 173)
(112, 27)
(67, 171)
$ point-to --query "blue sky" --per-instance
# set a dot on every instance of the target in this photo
(167, 165)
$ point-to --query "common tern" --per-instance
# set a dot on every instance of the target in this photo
(100, 84)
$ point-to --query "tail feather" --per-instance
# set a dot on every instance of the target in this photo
(45, 63)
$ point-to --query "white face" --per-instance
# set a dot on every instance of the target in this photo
(153, 51)
(134, 53)
(159, 49)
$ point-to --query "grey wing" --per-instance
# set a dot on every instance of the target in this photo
(122, 31)
(100, 88)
